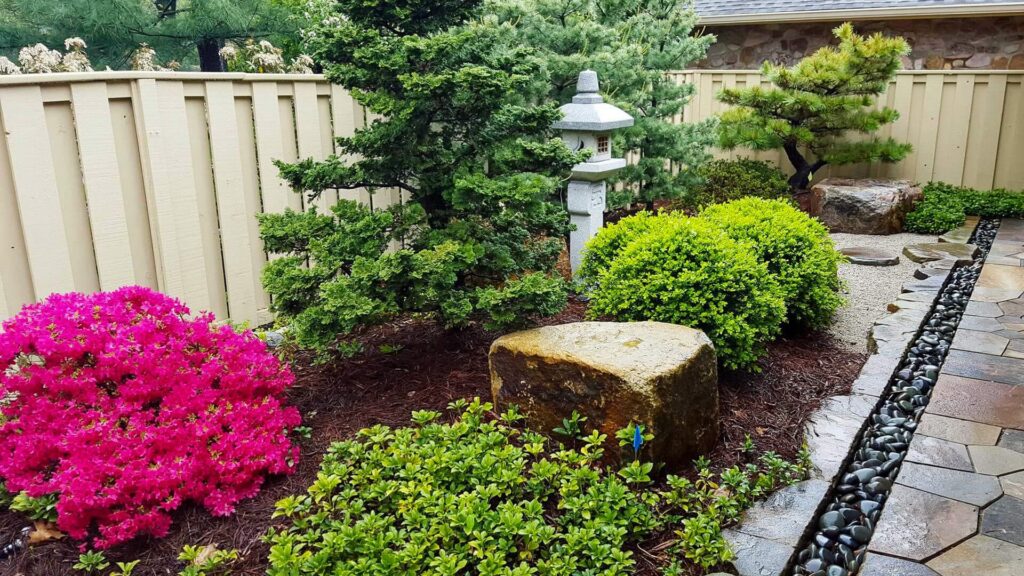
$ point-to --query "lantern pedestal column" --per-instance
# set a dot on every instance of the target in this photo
(586, 213)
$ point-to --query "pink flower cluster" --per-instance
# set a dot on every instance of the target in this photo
(126, 408)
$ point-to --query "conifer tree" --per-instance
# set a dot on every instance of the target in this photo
(458, 132)
(817, 103)
(186, 30)
(631, 44)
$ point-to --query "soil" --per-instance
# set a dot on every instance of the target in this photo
(411, 365)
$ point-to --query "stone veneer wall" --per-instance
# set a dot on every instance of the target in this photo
(943, 44)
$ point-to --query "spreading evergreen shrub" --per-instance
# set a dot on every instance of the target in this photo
(688, 271)
(795, 247)
(945, 207)
(475, 495)
(725, 180)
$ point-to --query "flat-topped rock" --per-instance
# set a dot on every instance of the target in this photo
(929, 252)
(865, 256)
(864, 206)
(662, 375)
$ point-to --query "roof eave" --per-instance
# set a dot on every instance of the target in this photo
(966, 10)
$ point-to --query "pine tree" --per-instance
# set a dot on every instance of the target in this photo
(817, 103)
(457, 131)
(186, 30)
(631, 44)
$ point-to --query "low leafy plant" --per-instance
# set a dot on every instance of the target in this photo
(688, 271)
(797, 250)
(945, 207)
(206, 560)
(727, 180)
(120, 407)
(479, 495)
(91, 562)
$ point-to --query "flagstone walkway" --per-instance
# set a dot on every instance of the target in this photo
(958, 505)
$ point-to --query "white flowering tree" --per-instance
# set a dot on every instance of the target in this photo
(40, 59)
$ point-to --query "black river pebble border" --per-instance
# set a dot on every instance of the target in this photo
(838, 545)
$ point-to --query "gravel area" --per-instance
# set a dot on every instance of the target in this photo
(869, 289)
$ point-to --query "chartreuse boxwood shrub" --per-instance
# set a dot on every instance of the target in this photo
(725, 180)
(795, 247)
(946, 206)
(605, 247)
(688, 271)
(120, 408)
(478, 495)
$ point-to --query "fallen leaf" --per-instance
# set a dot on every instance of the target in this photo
(44, 532)
(760, 431)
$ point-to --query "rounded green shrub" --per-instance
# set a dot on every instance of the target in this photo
(725, 180)
(797, 250)
(690, 272)
(602, 249)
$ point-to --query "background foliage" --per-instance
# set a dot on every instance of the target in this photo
(631, 44)
(727, 180)
(945, 207)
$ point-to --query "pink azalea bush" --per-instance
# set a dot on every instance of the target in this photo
(126, 407)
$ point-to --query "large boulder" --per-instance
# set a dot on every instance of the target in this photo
(869, 206)
(662, 375)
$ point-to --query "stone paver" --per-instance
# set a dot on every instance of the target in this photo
(1013, 485)
(1004, 520)
(866, 256)
(937, 452)
(962, 253)
(1012, 439)
(784, 516)
(881, 565)
(976, 489)
(961, 431)
(980, 401)
(995, 460)
(757, 556)
(917, 525)
(985, 367)
(983, 342)
(980, 556)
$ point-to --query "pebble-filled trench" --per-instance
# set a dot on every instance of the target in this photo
(840, 541)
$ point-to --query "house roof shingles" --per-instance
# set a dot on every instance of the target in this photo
(726, 8)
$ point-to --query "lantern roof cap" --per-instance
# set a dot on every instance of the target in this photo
(588, 111)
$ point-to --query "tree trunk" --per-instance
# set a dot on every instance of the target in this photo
(209, 55)
(804, 170)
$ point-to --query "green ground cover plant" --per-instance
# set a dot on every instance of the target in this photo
(727, 180)
(473, 493)
(797, 250)
(945, 207)
(689, 271)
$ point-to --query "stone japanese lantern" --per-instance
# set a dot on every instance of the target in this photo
(587, 123)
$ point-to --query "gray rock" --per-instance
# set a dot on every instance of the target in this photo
(868, 206)
(936, 452)
(916, 525)
(784, 516)
(879, 565)
(1013, 439)
(659, 374)
(960, 253)
(863, 256)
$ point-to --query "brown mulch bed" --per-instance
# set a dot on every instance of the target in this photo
(412, 365)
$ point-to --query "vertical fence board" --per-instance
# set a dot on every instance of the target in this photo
(172, 194)
(266, 111)
(234, 211)
(35, 188)
(133, 189)
(253, 199)
(348, 118)
(307, 132)
(985, 129)
(101, 176)
(1010, 167)
(953, 153)
(15, 274)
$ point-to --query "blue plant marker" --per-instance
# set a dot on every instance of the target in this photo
(638, 439)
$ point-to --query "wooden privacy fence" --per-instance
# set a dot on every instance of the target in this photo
(117, 178)
(112, 179)
(967, 127)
